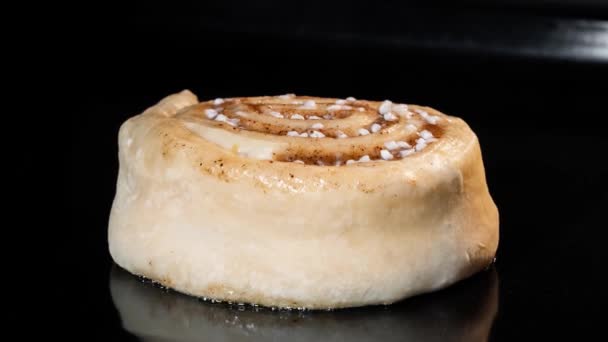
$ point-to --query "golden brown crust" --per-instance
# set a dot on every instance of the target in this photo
(214, 207)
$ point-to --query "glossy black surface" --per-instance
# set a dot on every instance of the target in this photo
(539, 119)
(462, 313)
(563, 30)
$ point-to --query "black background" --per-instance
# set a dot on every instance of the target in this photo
(535, 98)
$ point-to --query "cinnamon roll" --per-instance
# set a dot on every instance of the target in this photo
(300, 202)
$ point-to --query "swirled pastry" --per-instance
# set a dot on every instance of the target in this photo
(296, 201)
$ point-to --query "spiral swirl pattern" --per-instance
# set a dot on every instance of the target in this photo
(325, 131)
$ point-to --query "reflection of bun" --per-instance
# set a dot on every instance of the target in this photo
(462, 313)
(300, 202)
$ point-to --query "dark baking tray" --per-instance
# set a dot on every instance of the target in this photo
(465, 312)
